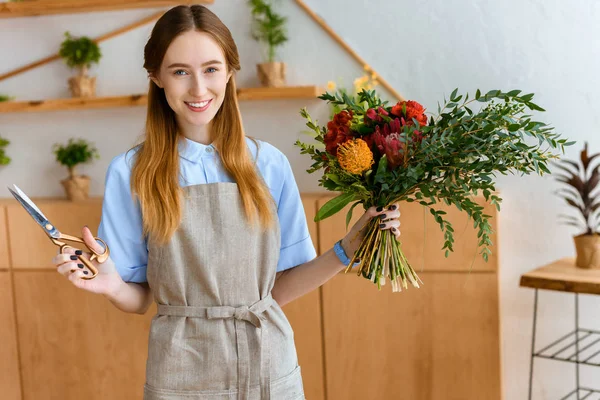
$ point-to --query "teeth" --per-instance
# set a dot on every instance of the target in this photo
(199, 105)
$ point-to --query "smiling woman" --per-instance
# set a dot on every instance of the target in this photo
(209, 224)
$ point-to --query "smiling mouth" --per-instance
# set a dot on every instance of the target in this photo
(199, 104)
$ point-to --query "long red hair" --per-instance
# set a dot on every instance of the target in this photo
(155, 172)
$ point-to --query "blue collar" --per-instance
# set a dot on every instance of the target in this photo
(193, 151)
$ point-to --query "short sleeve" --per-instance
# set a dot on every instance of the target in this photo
(296, 244)
(121, 223)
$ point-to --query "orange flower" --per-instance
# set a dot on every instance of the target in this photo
(355, 156)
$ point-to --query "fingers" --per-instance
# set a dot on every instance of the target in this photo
(375, 211)
(391, 224)
(65, 257)
(77, 278)
(89, 240)
(67, 268)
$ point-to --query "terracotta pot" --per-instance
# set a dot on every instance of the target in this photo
(77, 188)
(587, 249)
(82, 85)
(271, 74)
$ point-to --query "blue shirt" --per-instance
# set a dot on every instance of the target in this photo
(121, 223)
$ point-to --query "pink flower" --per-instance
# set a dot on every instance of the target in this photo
(391, 146)
(373, 115)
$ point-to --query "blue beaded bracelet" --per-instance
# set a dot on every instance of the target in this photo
(341, 254)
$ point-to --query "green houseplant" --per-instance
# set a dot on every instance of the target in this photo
(268, 28)
(80, 53)
(4, 97)
(75, 152)
(580, 192)
(4, 159)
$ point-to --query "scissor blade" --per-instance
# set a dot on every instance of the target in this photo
(35, 213)
(28, 200)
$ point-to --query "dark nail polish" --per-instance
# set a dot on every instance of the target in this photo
(78, 252)
(74, 258)
(379, 209)
(382, 225)
(393, 207)
(85, 272)
(80, 265)
(394, 229)
(382, 216)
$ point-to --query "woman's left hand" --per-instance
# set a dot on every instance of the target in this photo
(389, 219)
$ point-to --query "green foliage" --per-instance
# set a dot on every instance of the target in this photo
(4, 159)
(75, 152)
(580, 191)
(5, 97)
(79, 52)
(268, 27)
(460, 153)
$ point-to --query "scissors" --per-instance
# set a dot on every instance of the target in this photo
(56, 237)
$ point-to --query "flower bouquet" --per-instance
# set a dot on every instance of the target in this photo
(376, 155)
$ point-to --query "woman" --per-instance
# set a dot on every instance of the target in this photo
(209, 224)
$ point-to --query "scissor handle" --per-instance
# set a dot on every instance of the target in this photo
(99, 257)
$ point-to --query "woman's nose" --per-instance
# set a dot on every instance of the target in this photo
(198, 88)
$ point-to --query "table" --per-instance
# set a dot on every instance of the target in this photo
(581, 346)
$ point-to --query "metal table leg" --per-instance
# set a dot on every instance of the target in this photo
(535, 303)
(577, 342)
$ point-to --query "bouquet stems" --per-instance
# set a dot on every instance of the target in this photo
(379, 256)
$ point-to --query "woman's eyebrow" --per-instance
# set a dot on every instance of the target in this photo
(181, 65)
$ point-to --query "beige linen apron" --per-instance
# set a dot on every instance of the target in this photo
(218, 333)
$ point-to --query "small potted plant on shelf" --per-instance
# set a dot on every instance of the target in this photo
(80, 53)
(580, 193)
(75, 152)
(268, 28)
(4, 159)
(4, 97)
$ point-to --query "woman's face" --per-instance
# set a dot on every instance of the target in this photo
(194, 76)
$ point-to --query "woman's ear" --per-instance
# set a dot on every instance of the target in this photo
(155, 80)
(229, 76)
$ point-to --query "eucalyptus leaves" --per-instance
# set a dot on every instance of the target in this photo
(447, 158)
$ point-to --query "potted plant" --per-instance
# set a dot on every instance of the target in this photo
(580, 193)
(75, 152)
(80, 53)
(268, 27)
(4, 159)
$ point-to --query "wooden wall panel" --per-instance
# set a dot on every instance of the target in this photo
(304, 315)
(77, 345)
(10, 382)
(439, 342)
(4, 260)
(25, 234)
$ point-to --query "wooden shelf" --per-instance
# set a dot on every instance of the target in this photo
(261, 93)
(31, 8)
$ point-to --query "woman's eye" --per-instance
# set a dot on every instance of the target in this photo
(211, 70)
(179, 70)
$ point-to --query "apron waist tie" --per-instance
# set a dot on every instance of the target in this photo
(241, 315)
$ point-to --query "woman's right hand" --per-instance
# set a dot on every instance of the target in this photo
(107, 282)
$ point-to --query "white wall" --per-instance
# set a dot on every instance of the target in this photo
(424, 49)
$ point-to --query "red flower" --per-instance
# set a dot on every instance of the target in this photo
(338, 131)
(391, 146)
(413, 110)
